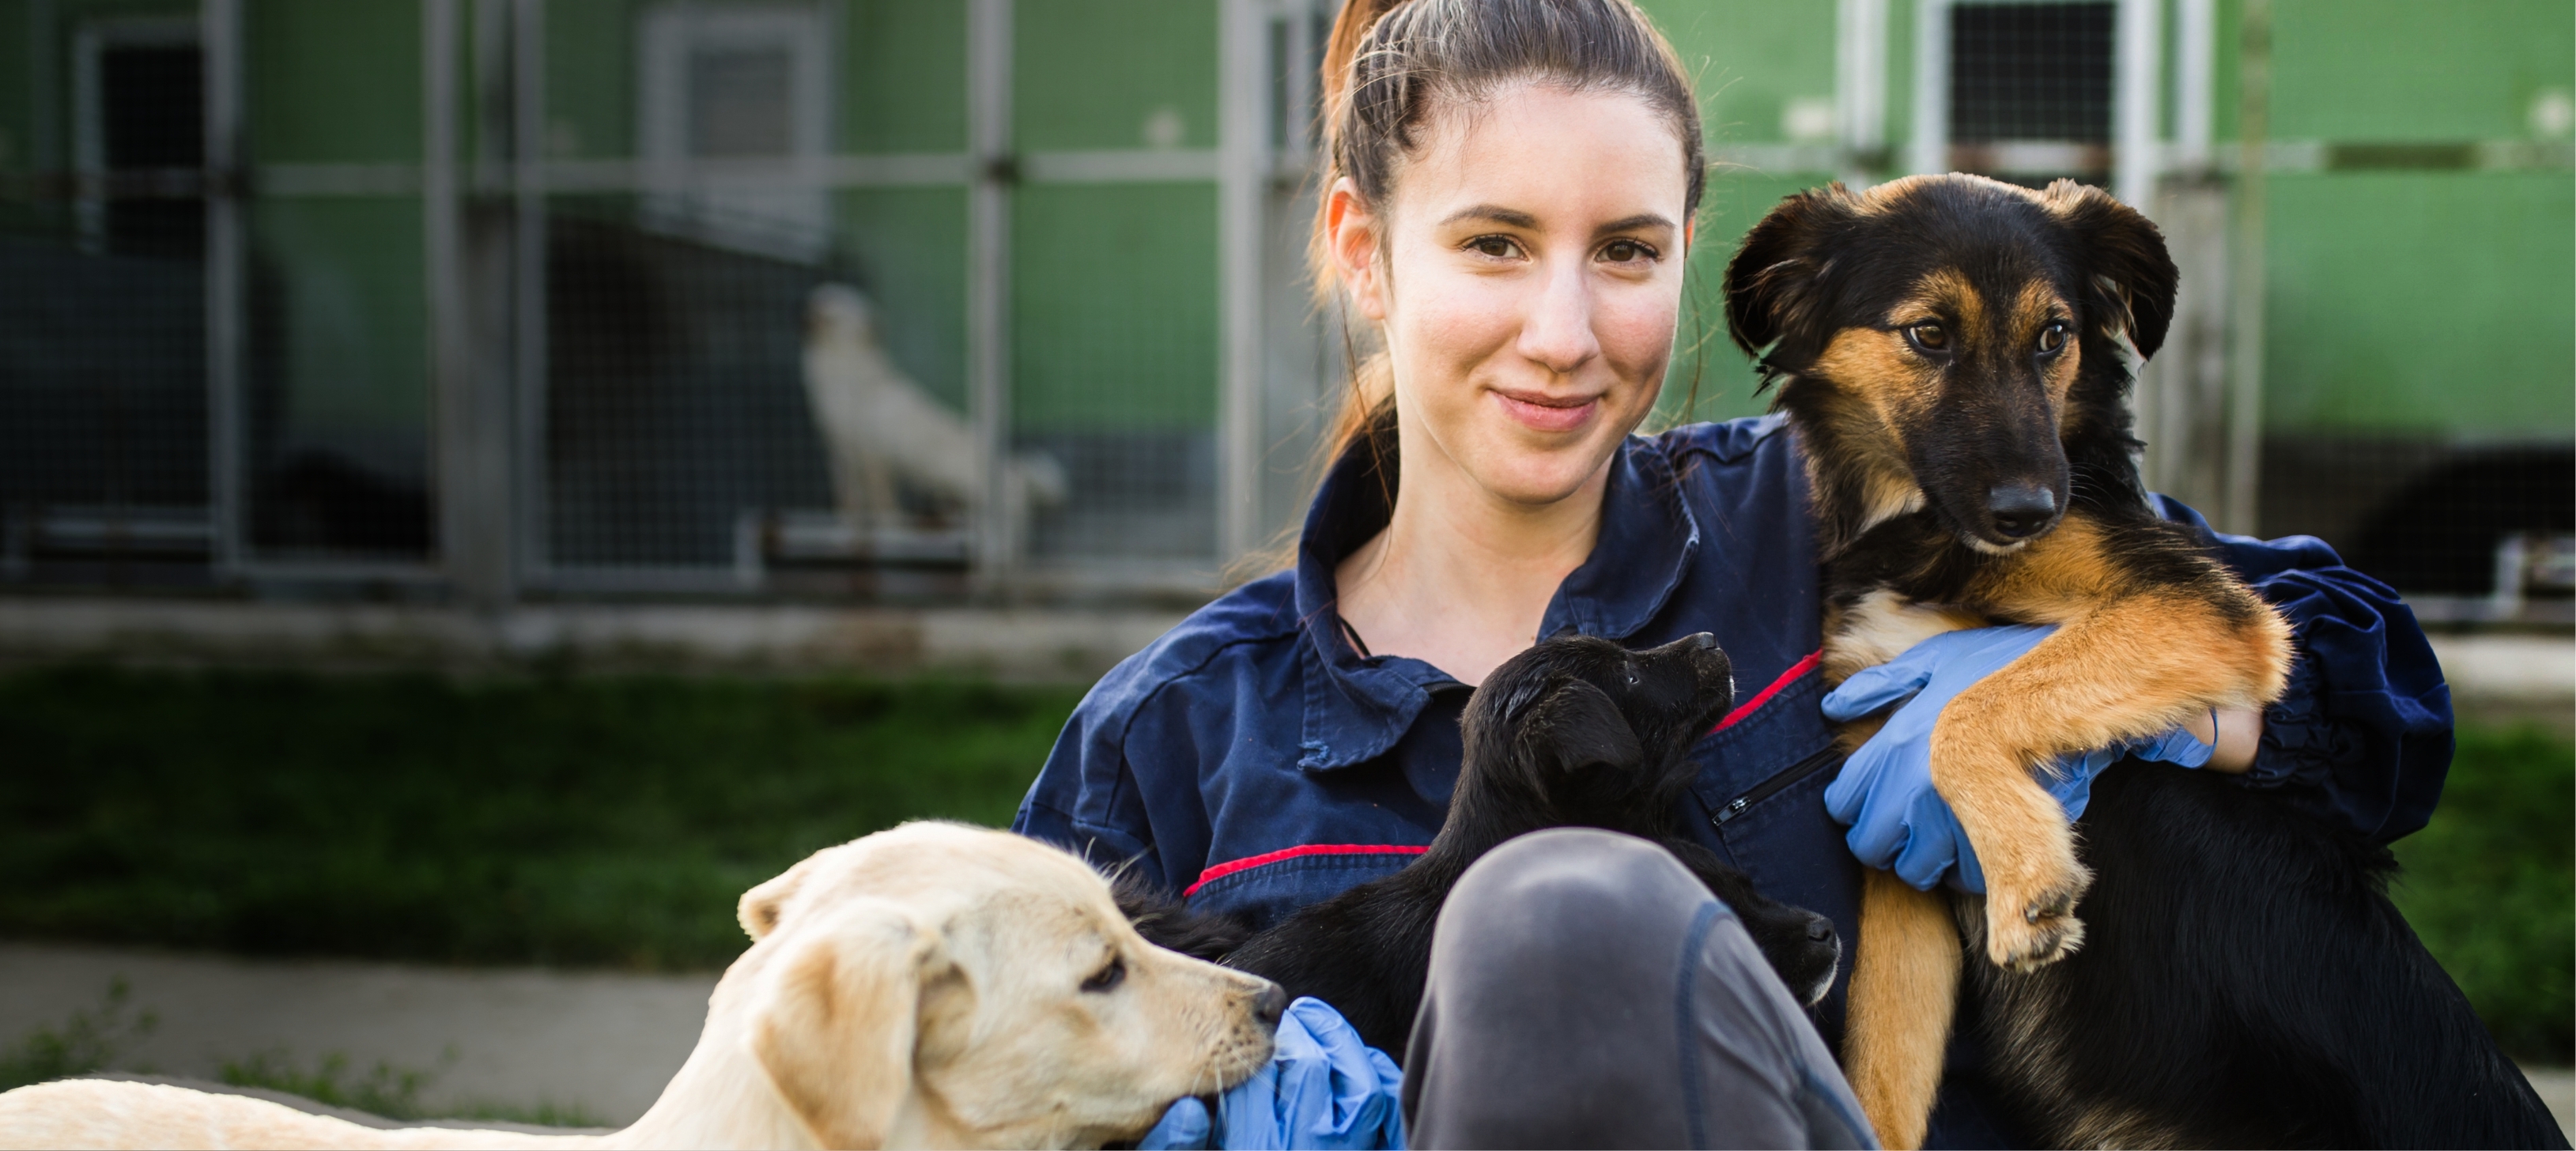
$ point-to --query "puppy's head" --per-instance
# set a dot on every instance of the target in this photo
(950, 984)
(1943, 334)
(1580, 731)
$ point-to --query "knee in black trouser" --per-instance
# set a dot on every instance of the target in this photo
(1570, 888)
(1586, 990)
(1532, 1032)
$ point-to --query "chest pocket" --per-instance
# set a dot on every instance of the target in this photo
(1765, 755)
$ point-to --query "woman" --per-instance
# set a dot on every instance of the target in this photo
(1510, 200)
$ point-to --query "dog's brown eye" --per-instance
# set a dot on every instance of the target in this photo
(1107, 978)
(1929, 337)
(2052, 338)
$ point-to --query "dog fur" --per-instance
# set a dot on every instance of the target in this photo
(932, 985)
(1948, 350)
(1574, 732)
(884, 432)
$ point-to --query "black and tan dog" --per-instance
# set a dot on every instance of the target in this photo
(1948, 351)
(1574, 732)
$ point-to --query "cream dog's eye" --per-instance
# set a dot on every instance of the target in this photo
(1107, 978)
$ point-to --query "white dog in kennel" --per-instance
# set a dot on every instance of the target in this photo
(884, 432)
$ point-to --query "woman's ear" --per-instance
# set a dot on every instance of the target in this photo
(1770, 283)
(834, 1018)
(1352, 231)
(2131, 276)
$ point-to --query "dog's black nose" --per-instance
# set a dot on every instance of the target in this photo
(1270, 1005)
(1820, 928)
(2020, 510)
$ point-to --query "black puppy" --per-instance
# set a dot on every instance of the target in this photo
(1574, 732)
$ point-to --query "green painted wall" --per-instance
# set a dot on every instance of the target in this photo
(334, 82)
(1097, 73)
(331, 81)
(344, 274)
(903, 76)
(910, 246)
(2422, 302)
(1113, 305)
(590, 78)
(2428, 303)
(1113, 287)
(2411, 70)
(1748, 61)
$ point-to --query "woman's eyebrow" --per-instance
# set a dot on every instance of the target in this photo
(1492, 214)
(1640, 221)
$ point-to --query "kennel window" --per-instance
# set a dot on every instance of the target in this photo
(2031, 88)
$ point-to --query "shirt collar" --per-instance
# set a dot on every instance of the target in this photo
(1356, 708)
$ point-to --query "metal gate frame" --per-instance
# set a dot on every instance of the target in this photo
(487, 370)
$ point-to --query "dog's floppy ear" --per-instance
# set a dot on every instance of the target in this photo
(835, 1017)
(2131, 276)
(1577, 726)
(759, 907)
(1770, 284)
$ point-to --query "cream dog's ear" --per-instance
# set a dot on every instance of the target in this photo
(836, 1016)
(759, 907)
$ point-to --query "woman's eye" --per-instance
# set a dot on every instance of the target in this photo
(1498, 247)
(1929, 337)
(1626, 251)
(1107, 978)
(2052, 338)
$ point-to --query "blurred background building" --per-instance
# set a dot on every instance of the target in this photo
(511, 305)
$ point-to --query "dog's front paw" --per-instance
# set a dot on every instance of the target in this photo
(2030, 910)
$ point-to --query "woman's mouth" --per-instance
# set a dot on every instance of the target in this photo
(1541, 412)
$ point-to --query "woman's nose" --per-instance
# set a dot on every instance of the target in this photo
(1557, 332)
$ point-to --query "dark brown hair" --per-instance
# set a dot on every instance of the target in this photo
(1391, 63)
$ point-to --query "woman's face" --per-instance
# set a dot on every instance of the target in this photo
(1529, 284)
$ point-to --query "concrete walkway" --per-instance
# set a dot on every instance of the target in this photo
(596, 1041)
(602, 1043)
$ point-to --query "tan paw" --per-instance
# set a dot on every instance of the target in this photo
(2030, 916)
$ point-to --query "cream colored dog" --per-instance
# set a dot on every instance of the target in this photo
(931, 986)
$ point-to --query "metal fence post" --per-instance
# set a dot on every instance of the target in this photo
(2241, 512)
(471, 446)
(1243, 144)
(988, 286)
(2137, 87)
(226, 175)
(1928, 150)
(528, 287)
(1860, 88)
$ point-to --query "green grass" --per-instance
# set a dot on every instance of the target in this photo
(613, 821)
(2490, 885)
(569, 821)
(87, 1040)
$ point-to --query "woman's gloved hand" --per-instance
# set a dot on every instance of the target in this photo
(1322, 1089)
(1885, 790)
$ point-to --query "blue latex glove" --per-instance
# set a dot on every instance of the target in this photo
(1885, 790)
(1323, 1089)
